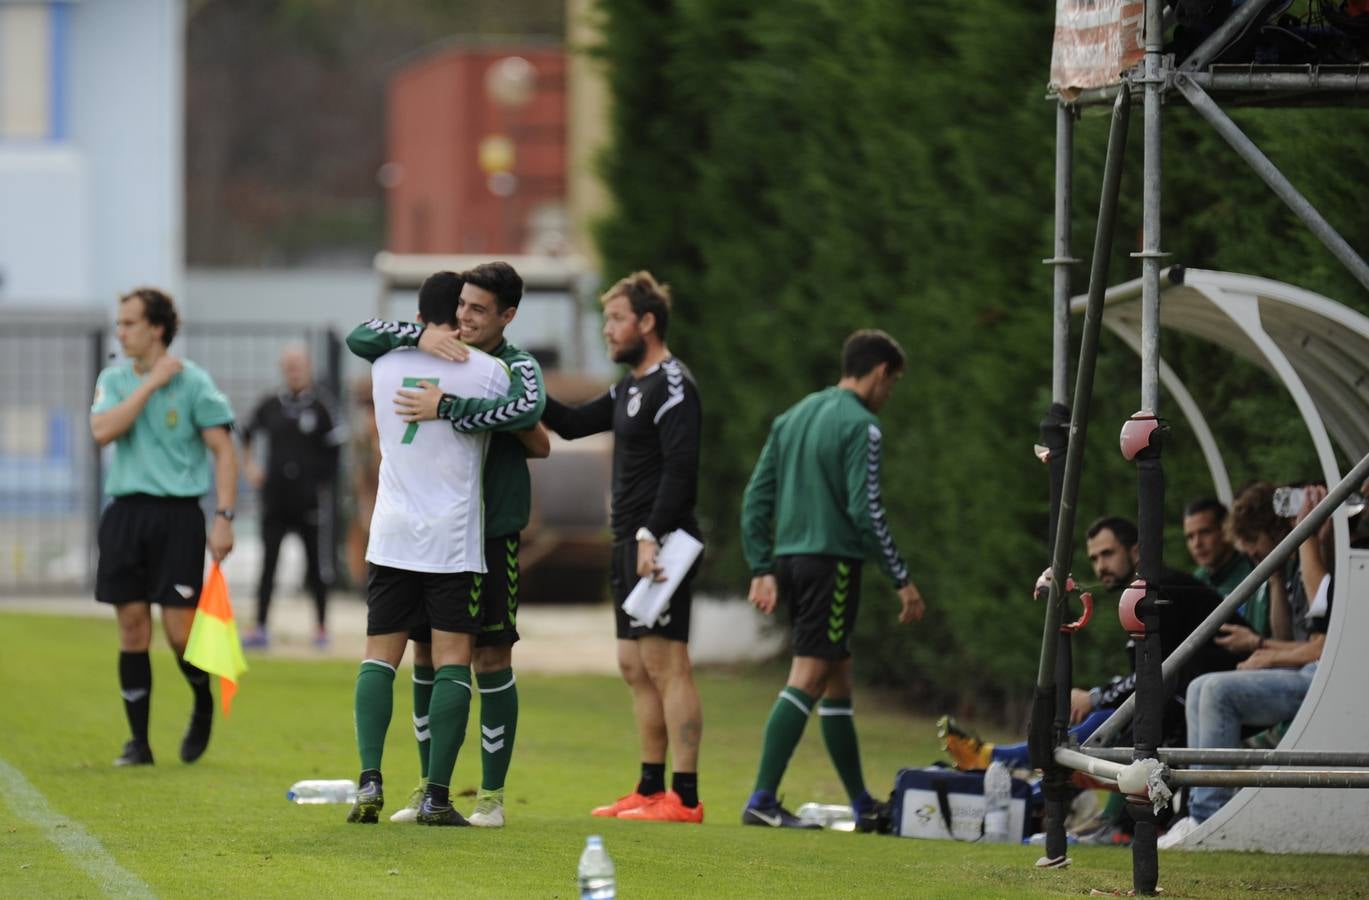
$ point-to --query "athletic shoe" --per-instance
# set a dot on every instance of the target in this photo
(489, 809)
(370, 801)
(432, 814)
(878, 819)
(665, 807)
(776, 816)
(967, 751)
(255, 639)
(136, 753)
(1177, 832)
(409, 811)
(622, 804)
(321, 639)
(196, 739)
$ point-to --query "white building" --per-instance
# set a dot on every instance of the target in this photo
(91, 150)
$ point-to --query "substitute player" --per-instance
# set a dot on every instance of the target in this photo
(426, 558)
(165, 417)
(488, 301)
(811, 513)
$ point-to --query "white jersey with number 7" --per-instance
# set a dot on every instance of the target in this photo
(429, 512)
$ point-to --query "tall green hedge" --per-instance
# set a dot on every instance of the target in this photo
(797, 170)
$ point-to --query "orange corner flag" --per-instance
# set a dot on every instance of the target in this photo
(214, 645)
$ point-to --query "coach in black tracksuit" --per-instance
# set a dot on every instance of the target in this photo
(296, 488)
(655, 417)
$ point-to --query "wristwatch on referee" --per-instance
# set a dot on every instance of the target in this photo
(644, 534)
(228, 514)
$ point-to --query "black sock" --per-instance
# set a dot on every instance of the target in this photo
(135, 684)
(438, 793)
(369, 776)
(653, 779)
(199, 683)
(686, 784)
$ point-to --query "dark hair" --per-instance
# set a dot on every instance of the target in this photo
(1206, 504)
(438, 296)
(1122, 529)
(500, 279)
(1252, 514)
(866, 349)
(645, 295)
(158, 309)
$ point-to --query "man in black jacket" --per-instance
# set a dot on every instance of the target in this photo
(296, 486)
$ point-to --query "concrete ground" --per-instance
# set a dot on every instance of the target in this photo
(557, 638)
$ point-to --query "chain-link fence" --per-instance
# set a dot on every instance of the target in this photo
(51, 475)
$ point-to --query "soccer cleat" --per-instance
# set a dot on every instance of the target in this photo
(196, 739)
(321, 639)
(136, 753)
(776, 816)
(622, 804)
(489, 809)
(878, 819)
(665, 807)
(370, 801)
(409, 811)
(432, 814)
(967, 751)
(256, 639)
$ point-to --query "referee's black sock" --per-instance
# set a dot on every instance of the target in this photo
(199, 683)
(653, 779)
(686, 784)
(135, 684)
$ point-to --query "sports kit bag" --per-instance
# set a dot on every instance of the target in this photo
(942, 803)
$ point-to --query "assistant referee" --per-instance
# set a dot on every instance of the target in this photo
(164, 416)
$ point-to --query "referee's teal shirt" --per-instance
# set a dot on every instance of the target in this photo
(163, 453)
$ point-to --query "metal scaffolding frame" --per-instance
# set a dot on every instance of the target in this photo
(1148, 776)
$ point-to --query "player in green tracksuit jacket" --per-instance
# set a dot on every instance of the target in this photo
(811, 514)
(489, 297)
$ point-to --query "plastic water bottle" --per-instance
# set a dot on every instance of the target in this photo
(318, 790)
(997, 802)
(598, 880)
(828, 815)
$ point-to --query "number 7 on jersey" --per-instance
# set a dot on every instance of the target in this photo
(413, 426)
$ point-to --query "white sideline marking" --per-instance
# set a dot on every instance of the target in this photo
(76, 844)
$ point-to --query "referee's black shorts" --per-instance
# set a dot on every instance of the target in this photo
(151, 550)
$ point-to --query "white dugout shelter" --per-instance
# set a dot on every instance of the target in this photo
(1319, 351)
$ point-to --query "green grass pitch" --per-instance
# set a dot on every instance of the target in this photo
(74, 826)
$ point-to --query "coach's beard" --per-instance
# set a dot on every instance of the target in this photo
(632, 354)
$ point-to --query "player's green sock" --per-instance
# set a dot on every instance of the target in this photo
(783, 730)
(449, 712)
(375, 700)
(498, 724)
(839, 734)
(423, 697)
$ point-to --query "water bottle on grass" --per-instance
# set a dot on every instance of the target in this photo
(997, 802)
(320, 790)
(597, 876)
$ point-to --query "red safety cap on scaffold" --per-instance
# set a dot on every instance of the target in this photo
(1136, 433)
(1126, 608)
